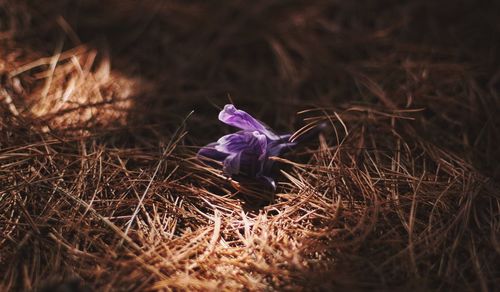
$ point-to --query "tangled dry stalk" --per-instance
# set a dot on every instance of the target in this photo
(99, 187)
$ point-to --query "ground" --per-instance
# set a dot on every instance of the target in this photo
(103, 105)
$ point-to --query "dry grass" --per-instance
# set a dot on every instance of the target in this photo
(99, 184)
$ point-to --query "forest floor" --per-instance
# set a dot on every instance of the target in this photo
(103, 105)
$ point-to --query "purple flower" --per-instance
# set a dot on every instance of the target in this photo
(245, 153)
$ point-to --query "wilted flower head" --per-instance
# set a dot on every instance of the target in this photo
(246, 153)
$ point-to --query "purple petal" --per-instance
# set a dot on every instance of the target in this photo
(276, 149)
(209, 152)
(244, 140)
(232, 164)
(241, 119)
(246, 163)
(210, 156)
(269, 181)
(285, 137)
(251, 163)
